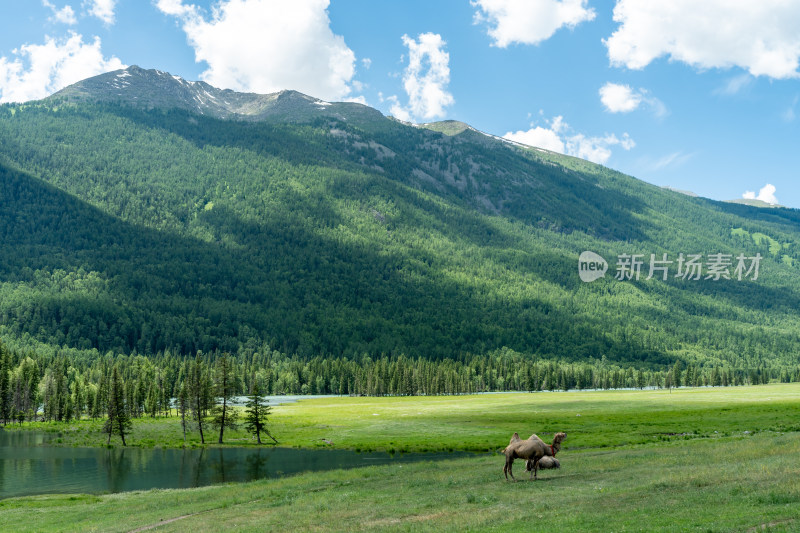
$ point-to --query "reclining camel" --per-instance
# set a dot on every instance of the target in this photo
(532, 450)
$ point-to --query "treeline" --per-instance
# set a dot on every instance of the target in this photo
(63, 387)
(117, 390)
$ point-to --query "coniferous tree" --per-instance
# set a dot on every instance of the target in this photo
(222, 414)
(118, 421)
(25, 389)
(151, 401)
(101, 401)
(676, 373)
(257, 411)
(183, 407)
(78, 401)
(5, 389)
(200, 393)
(91, 397)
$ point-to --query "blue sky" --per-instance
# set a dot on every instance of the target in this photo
(701, 96)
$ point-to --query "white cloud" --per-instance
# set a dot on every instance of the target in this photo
(360, 99)
(102, 9)
(176, 8)
(559, 137)
(366, 62)
(619, 98)
(425, 79)
(65, 15)
(529, 21)
(539, 137)
(597, 149)
(547, 138)
(268, 45)
(41, 69)
(397, 110)
(760, 37)
(766, 194)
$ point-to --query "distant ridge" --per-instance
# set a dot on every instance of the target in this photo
(157, 89)
(752, 202)
(687, 193)
(741, 201)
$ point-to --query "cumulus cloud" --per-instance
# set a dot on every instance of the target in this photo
(65, 15)
(760, 37)
(548, 137)
(360, 99)
(617, 98)
(597, 149)
(268, 45)
(539, 137)
(176, 8)
(425, 79)
(102, 9)
(529, 21)
(766, 194)
(559, 137)
(39, 70)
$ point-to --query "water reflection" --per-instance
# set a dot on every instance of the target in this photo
(29, 466)
(256, 465)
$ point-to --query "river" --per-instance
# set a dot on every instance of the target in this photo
(29, 466)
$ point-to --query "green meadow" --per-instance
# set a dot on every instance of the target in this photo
(724, 459)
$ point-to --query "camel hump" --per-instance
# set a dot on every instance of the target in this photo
(514, 439)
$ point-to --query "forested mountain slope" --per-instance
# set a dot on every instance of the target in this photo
(163, 214)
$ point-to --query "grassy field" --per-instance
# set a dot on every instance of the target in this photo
(485, 422)
(695, 459)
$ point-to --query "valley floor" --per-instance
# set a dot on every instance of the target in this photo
(703, 472)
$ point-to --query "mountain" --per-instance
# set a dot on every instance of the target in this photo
(754, 202)
(687, 193)
(156, 89)
(142, 212)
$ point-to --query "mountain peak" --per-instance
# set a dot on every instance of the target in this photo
(151, 88)
(448, 127)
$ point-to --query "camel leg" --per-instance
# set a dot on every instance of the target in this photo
(507, 468)
(536, 469)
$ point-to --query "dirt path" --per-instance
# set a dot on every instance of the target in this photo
(162, 522)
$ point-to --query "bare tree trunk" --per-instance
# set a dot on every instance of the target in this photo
(222, 425)
(200, 422)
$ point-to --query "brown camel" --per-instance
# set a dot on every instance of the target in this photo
(545, 463)
(532, 449)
